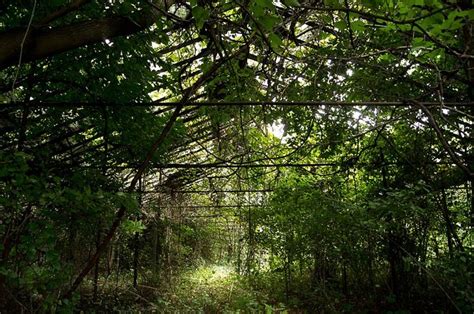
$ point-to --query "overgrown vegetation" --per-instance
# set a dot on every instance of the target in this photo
(236, 156)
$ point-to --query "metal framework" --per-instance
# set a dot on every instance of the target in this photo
(318, 103)
(191, 118)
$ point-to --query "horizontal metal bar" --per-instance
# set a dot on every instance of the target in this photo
(282, 165)
(212, 166)
(214, 206)
(205, 191)
(243, 103)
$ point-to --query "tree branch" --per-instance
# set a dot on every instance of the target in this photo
(42, 43)
(72, 6)
(443, 141)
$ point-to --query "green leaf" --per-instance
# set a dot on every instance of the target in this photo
(358, 26)
(291, 3)
(341, 25)
(269, 21)
(265, 3)
(257, 10)
(260, 8)
(132, 226)
(275, 41)
(200, 15)
(418, 42)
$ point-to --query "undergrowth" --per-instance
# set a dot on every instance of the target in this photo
(203, 289)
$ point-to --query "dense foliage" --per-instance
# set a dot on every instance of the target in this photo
(353, 194)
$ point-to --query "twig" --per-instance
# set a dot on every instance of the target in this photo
(443, 141)
(20, 59)
(351, 34)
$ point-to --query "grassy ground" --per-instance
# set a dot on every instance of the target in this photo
(215, 289)
(205, 289)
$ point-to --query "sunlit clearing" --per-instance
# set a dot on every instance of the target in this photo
(211, 274)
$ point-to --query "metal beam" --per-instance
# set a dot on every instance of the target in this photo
(245, 103)
(255, 165)
(214, 206)
(206, 191)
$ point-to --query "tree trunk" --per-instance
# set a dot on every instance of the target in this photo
(450, 228)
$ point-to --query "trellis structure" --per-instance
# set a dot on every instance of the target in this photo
(71, 151)
(64, 149)
(78, 136)
(74, 141)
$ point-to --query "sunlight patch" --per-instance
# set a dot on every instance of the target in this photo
(277, 128)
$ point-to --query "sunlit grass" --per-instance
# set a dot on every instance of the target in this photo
(214, 274)
(214, 289)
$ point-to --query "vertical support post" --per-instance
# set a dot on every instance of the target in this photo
(136, 238)
(96, 266)
(99, 222)
(250, 250)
